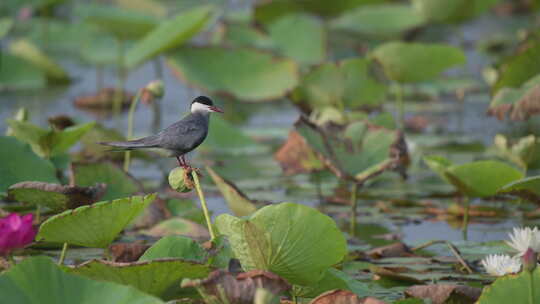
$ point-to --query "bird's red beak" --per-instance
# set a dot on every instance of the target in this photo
(216, 109)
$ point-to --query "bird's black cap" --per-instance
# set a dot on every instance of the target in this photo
(204, 100)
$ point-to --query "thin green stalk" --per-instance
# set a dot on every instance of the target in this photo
(63, 254)
(354, 194)
(38, 214)
(203, 205)
(119, 92)
(465, 226)
(531, 287)
(131, 114)
(400, 106)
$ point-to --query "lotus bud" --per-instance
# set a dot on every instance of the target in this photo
(530, 259)
(153, 90)
(181, 180)
(16, 232)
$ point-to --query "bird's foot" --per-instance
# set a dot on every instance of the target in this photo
(189, 169)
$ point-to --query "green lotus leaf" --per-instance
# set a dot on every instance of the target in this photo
(293, 241)
(527, 188)
(48, 142)
(415, 62)
(452, 11)
(299, 36)
(158, 277)
(237, 201)
(95, 225)
(366, 20)
(244, 35)
(332, 279)
(17, 74)
(475, 179)
(38, 280)
(512, 289)
(119, 183)
(348, 83)
(169, 34)
(123, 23)
(18, 164)
(226, 138)
(518, 68)
(247, 74)
(358, 152)
(268, 11)
(5, 25)
(175, 246)
(28, 51)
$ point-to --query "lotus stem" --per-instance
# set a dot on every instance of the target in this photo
(119, 92)
(203, 205)
(400, 106)
(354, 194)
(531, 287)
(38, 214)
(131, 114)
(63, 254)
(465, 226)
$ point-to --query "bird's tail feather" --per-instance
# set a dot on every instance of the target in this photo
(146, 142)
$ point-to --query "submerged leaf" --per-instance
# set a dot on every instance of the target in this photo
(343, 297)
(55, 196)
(18, 164)
(96, 225)
(158, 277)
(237, 201)
(246, 74)
(286, 240)
(415, 62)
(38, 280)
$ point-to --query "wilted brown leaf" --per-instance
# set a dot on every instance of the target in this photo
(296, 157)
(72, 196)
(127, 252)
(60, 122)
(394, 250)
(240, 289)
(518, 104)
(393, 274)
(102, 100)
(444, 293)
(343, 297)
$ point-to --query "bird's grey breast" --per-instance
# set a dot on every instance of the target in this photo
(186, 134)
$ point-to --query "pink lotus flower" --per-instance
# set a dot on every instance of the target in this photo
(16, 232)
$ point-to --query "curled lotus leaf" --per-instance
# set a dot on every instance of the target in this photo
(55, 196)
(517, 103)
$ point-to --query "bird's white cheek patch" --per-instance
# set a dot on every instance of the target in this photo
(199, 107)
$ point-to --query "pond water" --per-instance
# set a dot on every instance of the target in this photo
(462, 122)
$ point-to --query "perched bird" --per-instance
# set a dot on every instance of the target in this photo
(179, 138)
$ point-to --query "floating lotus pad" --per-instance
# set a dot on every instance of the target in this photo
(246, 74)
(294, 241)
(415, 62)
(95, 225)
(169, 34)
(476, 179)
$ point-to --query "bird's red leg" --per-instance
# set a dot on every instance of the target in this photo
(184, 161)
(180, 163)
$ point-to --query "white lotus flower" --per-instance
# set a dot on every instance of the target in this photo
(523, 238)
(501, 264)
